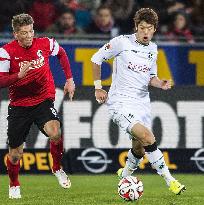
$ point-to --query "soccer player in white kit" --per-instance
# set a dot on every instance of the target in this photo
(128, 101)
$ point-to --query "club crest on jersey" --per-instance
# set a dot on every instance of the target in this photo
(39, 62)
(150, 56)
(108, 46)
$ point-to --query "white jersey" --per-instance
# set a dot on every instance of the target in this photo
(133, 67)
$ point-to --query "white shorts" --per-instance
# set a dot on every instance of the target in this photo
(126, 116)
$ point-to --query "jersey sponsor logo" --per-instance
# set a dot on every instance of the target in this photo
(94, 160)
(138, 68)
(39, 62)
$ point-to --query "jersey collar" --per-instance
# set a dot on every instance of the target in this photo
(139, 43)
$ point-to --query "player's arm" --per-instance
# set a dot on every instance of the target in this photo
(6, 79)
(163, 84)
(106, 52)
(69, 86)
(155, 81)
(100, 94)
(56, 50)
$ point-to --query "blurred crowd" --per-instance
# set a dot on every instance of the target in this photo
(179, 20)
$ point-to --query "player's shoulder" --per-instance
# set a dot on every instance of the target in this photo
(10, 45)
(42, 40)
(122, 39)
(152, 46)
(9, 48)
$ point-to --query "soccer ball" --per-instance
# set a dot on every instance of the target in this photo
(130, 188)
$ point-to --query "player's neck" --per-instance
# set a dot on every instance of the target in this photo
(23, 46)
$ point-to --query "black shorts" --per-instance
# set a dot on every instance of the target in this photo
(20, 120)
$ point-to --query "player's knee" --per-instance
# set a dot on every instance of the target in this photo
(148, 138)
(55, 135)
(54, 132)
(138, 149)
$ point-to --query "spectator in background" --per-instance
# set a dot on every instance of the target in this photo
(72, 4)
(65, 24)
(103, 21)
(197, 18)
(8, 9)
(179, 31)
(44, 13)
(123, 12)
(82, 11)
(166, 10)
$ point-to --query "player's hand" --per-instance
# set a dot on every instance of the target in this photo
(24, 70)
(166, 84)
(101, 95)
(69, 87)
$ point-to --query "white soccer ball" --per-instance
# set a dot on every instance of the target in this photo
(130, 188)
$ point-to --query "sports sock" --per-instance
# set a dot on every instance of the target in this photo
(13, 172)
(156, 159)
(56, 149)
(132, 163)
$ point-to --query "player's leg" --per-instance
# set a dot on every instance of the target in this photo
(134, 157)
(13, 167)
(18, 127)
(53, 130)
(48, 121)
(155, 156)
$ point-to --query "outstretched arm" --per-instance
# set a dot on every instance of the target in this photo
(69, 86)
(163, 84)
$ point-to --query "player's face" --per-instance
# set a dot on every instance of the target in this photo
(145, 32)
(25, 35)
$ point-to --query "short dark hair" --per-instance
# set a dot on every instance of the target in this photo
(148, 15)
(21, 20)
(103, 6)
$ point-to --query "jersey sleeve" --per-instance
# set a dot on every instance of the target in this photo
(4, 60)
(54, 47)
(108, 51)
(153, 71)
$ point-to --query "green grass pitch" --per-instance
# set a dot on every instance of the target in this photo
(101, 190)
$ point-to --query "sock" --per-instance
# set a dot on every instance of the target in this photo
(13, 172)
(156, 159)
(56, 149)
(132, 164)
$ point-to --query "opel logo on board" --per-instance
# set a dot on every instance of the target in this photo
(94, 160)
(199, 159)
